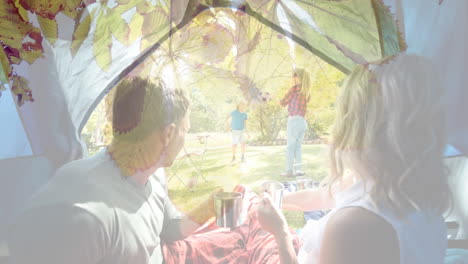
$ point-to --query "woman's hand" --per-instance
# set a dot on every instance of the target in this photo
(271, 218)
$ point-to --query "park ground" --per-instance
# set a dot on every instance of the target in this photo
(217, 171)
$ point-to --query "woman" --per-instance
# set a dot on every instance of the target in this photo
(388, 189)
(296, 99)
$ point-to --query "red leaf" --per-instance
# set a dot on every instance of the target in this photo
(11, 52)
(34, 45)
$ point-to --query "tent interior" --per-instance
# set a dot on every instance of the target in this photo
(62, 61)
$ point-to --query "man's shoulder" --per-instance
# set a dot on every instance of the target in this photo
(81, 165)
(77, 182)
(49, 233)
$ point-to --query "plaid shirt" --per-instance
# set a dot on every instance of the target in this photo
(247, 244)
(297, 103)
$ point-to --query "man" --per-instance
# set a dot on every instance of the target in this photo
(113, 207)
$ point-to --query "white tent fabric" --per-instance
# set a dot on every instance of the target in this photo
(14, 140)
(439, 32)
(66, 93)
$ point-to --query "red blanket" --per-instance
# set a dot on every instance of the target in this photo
(248, 243)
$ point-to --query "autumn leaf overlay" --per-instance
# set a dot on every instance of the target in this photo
(21, 41)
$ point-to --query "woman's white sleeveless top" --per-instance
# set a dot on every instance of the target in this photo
(421, 236)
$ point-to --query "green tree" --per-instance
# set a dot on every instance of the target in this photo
(326, 84)
(202, 116)
(269, 120)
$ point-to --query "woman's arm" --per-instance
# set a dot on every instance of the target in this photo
(272, 220)
(287, 97)
(315, 199)
(286, 248)
(308, 200)
(357, 236)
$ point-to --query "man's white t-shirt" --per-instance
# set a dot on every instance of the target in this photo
(90, 213)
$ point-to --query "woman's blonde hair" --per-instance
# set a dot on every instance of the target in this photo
(304, 79)
(389, 129)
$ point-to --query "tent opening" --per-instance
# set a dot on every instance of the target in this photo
(222, 57)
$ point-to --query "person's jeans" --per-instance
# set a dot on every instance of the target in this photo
(297, 127)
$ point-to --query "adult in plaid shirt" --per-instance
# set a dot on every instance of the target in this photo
(296, 99)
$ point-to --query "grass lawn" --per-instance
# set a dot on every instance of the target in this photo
(262, 163)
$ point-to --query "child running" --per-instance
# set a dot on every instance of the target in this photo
(238, 120)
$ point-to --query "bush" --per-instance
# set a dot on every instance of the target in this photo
(320, 123)
(202, 120)
(203, 117)
(269, 120)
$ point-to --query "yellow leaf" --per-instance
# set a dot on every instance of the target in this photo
(154, 22)
(81, 33)
(71, 13)
(22, 12)
(123, 2)
(15, 60)
(145, 43)
(20, 40)
(71, 8)
(31, 56)
(203, 18)
(5, 66)
(102, 42)
(12, 32)
(3, 80)
(120, 29)
(124, 7)
(44, 8)
(49, 28)
(135, 27)
(144, 7)
(20, 88)
(50, 8)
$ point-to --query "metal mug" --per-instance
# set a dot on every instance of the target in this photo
(275, 189)
(228, 209)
